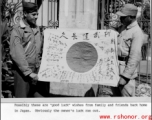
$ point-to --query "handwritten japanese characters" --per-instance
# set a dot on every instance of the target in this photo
(88, 57)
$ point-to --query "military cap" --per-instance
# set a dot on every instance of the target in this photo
(128, 10)
(29, 7)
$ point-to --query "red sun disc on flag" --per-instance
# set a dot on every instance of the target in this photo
(82, 57)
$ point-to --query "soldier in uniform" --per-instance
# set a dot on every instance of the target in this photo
(25, 50)
(130, 41)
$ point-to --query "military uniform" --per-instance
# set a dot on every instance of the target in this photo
(130, 42)
(25, 49)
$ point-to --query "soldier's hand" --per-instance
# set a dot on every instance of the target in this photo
(122, 81)
(34, 78)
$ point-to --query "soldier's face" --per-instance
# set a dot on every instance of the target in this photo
(125, 20)
(32, 17)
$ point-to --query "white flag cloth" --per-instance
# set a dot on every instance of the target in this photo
(80, 56)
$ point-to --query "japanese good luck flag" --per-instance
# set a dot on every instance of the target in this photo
(80, 56)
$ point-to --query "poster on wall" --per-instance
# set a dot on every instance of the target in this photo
(80, 56)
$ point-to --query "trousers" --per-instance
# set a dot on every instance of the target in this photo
(23, 87)
(129, 89)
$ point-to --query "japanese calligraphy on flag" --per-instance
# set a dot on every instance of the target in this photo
(80, 56)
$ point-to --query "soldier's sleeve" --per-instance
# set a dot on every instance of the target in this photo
(17, 52)
(135, 55)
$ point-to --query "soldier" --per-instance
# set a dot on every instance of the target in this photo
(25, 50)
(130, 42)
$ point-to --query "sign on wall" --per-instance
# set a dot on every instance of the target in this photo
(80, 56)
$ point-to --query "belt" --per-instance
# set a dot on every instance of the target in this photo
(122, 58)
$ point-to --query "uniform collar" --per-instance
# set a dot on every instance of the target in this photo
(23, 24)
(27, 28)
(132, 25)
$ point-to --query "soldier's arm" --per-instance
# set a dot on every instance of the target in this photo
(17, 52)
(135, 55)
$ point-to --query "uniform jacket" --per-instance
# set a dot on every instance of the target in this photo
(25, 49)
(130, 42)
